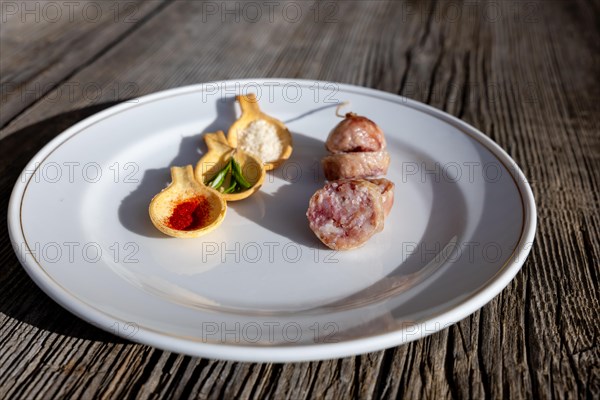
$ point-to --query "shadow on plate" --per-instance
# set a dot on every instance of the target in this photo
(284, 212)
(133, 211)
(279, 217)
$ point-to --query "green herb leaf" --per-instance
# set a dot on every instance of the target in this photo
(232, 187)
(237, 174)
(219, 178)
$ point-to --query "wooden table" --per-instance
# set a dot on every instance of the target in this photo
(526, 73)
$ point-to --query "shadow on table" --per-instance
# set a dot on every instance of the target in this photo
(20, 298)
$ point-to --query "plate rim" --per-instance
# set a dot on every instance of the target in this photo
(287, 353)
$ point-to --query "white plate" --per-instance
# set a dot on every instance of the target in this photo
(262, 287)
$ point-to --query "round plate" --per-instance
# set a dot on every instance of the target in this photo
(262, 287)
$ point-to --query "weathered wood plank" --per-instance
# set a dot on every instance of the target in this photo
(44, 43)
(524, 73)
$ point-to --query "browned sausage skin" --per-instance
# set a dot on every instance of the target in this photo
(386, 188)
(345, 214)
(355, 134)
(355, 165)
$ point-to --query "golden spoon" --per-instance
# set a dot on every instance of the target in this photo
(187, 209)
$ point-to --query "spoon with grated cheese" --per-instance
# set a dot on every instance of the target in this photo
(260, 134)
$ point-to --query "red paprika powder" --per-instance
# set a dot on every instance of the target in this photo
(190, 214)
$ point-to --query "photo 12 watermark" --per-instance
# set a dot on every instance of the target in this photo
(252, 12)
(270, 91)
(268, 332)
(78, 253)
(93, 12)
(76, 172)
(70, 92)
(264, 252)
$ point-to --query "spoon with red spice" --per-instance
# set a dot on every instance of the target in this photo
(186, 208)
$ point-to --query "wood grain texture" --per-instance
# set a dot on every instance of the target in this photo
(526, 73)
(44, 43)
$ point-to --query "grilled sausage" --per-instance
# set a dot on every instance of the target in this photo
(386, 189)
(345, 214)
(355, 134)
(356, 165)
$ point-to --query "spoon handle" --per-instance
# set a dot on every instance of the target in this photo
(182, 175)
(249, 104)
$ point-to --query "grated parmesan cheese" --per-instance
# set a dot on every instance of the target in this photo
(260, 138)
